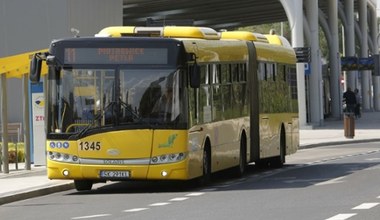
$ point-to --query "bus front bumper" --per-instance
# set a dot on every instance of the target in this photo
(171, 171)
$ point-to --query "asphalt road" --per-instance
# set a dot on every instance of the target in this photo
(334, 183)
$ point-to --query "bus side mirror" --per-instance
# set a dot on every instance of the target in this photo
(35, 69)
(195, 76)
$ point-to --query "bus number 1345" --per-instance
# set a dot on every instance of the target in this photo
(90, 145)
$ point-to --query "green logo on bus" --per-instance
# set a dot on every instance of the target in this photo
(170, 141)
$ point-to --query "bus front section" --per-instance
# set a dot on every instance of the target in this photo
(116, 110)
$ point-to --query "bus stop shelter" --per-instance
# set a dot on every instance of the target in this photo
(16, 66)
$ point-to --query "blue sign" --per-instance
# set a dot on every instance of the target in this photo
(307, 69)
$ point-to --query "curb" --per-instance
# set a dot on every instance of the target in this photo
(306, 146)
(35, 193)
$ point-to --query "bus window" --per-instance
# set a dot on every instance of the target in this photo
(235, 73)
(205, 96)
(243, 73)
(274, 71)
(217, 108)
(226, 72)
(261, 71)
(205, 77)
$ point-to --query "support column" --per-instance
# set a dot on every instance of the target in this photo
(336, 98)
(294, 12)
(375, 50)
(349, 43)
(316, 84)
(4, 123)
(26, 112)
(365, 74)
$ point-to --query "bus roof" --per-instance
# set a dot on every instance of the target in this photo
(270, 47)
(250, 36)
(167, 31)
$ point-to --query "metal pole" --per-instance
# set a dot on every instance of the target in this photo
(4, 124)
(26, 123)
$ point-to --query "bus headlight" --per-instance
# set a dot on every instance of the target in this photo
(66, 172)
(168, 158)
(61, 157)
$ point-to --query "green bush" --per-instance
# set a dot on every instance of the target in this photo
(12, 152)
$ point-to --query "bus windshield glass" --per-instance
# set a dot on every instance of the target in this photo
(86, 99)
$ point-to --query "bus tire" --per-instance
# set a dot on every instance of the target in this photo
(82, 185)
(240, 169)
(279, 161)
(206, 166)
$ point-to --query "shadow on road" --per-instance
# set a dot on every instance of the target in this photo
(290, 176)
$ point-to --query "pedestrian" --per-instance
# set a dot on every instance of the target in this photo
(350, 100)
(358, 103)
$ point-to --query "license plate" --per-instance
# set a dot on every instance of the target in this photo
(114, 174)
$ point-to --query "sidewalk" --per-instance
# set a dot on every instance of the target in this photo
(22, 184)
(367, 128)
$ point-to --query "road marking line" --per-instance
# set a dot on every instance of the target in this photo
(178, 199)
(225, 185)
(342, 216)
(195, 194)
(91, 216)
(135, 210)
(208, 189)
(302, 181)
(160, 204)
(378, 197)
(366, 205)
(371, 159)
(332, 181)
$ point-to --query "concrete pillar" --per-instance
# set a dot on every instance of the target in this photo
(315, 83)
(365, 74)
(294, 12)
(375, 50)
(336, 99)
(349, 42)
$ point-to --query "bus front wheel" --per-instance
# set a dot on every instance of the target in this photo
(82, 185)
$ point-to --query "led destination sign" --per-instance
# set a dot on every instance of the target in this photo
(116, 55)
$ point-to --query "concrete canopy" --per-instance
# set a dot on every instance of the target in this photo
(213, 13)
(217, 14)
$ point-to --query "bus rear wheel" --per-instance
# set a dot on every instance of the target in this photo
(206, 167)
(279, 161)
(240, 169)
(82, 185)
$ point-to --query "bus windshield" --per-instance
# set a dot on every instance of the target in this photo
(82, 99)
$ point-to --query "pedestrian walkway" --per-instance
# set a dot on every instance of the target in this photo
(22, 184)
(367, 128)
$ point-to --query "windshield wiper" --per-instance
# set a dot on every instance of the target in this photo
(135, 114)
(98, 115)
(130, 110)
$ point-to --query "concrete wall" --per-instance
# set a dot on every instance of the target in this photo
(29, 25)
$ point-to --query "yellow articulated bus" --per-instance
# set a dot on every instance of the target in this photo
(167, 103)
